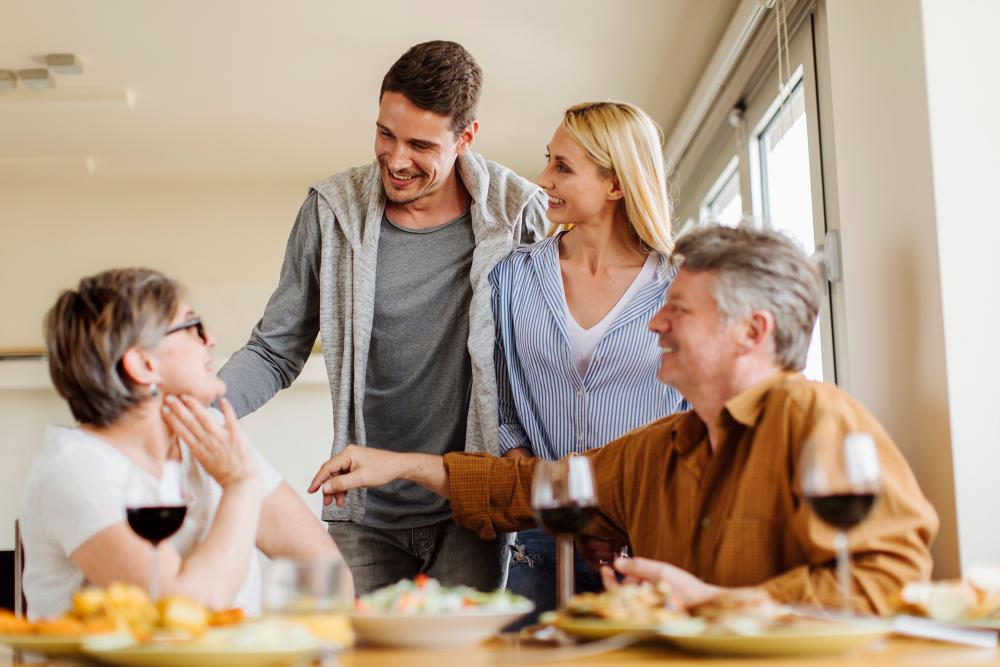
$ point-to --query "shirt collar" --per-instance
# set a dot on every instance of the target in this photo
(746, 406)
(688, 432)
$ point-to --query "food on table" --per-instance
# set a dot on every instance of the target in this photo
(123, 608)
(10, 624)
(738, 611)
(741, 611)
(218, 619)
(183, 615)
(955, 600)
(634, 603)
(424, 595)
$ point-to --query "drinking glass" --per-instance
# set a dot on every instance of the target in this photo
(841, 481)
(155, 509)
(565, 501)
(315, 594)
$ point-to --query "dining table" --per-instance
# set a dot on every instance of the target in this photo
(891, 652)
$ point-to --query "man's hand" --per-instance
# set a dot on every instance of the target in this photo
(356, 467)
(689, 589)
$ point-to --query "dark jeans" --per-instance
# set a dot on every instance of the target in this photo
(533, 573)
(446, 551)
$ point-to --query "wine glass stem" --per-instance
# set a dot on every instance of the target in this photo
(154, 571)
(564, 569)
(843, 570)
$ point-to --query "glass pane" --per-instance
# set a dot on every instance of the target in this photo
(787, 192)
(726, 207)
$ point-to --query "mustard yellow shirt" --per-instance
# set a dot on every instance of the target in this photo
(732, 517)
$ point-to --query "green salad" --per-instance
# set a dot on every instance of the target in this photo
(424, 595)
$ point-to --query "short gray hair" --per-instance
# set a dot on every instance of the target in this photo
(759, 270)
(89, 329)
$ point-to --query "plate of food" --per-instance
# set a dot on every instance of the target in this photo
(744, 622)
(973, 601)
(262, 643)
(633, 608)
(62, 636)
(422, 613)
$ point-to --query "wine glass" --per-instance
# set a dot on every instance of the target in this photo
(315, 594)
(564, 500)
(841, 482)
(155, 510)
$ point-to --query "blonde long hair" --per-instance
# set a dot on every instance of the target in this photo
(623, 141)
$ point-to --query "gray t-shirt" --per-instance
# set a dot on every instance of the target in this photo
(419, 375)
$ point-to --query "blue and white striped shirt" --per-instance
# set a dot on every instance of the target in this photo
(545, 406)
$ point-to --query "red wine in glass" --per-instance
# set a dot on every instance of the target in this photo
(155, 508)
(564, 499)
(842, 511)
(568, 519)
(156, 523)
(840, 481)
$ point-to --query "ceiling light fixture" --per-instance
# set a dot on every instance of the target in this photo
(64, 63)
(39, 77)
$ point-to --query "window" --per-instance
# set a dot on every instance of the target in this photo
(725, 204)
(785, 192)
(759, 163)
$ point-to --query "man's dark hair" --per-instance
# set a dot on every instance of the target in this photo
(438, 76)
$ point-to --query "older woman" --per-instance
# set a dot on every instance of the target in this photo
(133, 361)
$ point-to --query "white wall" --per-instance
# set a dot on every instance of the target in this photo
(906, 123)
(962, 72)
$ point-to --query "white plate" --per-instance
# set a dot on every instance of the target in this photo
(809, 638)
(219, 647)
(433, 630)
(53, 645)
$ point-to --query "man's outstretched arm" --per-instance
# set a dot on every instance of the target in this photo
(356, 467)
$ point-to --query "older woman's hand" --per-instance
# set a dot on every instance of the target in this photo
(221, 449)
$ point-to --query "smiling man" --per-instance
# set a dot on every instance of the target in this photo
(388, 263)
(712, 494)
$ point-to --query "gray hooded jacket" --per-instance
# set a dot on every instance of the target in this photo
(327, 285)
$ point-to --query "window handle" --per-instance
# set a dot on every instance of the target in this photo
(828, 256)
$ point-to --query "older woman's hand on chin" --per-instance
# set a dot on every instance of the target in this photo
(221, 449)
(688, 589)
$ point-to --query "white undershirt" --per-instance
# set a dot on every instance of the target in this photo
(583, 342)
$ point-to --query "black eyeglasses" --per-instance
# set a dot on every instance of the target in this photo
(195, 324)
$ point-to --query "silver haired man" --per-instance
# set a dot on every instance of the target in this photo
(709, 499)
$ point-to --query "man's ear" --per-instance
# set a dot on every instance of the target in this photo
(467, 136)
(615, 192)
(756, 330)
(140, 366)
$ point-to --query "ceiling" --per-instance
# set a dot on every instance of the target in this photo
(254, 91)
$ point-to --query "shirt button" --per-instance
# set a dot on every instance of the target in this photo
(705, 522)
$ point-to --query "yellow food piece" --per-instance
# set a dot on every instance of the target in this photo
(66, 625)
(88, 602)
(14, 625)
(226, 617)
(181, 613)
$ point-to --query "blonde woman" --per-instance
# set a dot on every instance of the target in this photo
(576, 363)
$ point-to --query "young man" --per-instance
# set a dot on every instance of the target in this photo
(712, 492)
(389, 264)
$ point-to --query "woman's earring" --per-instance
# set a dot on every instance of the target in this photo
(154, 391)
